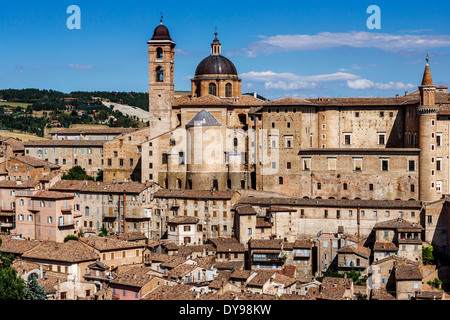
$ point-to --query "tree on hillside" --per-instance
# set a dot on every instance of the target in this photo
(76, 173)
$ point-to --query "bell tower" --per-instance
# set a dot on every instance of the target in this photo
(161, 52)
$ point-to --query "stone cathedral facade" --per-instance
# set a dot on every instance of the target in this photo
(330, 150)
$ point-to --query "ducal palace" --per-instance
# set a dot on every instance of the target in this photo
(386, 157)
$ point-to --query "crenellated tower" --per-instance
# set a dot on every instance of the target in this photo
(427, 112)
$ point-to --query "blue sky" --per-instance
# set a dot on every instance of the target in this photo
(280, 48)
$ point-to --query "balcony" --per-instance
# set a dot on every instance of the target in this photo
(6, 225)
(65, 223)
(67, 210)
(302, 254)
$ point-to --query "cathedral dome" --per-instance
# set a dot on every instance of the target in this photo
(161, 33)
(216, 64)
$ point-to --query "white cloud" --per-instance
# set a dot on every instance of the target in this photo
(364, 84)
(182, 52)
(327, 40)
(81, 67)
(290, 81)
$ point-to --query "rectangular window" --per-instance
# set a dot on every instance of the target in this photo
(347, 139)
(439, 139)
(411, 165)
(385, 165)
(439, 164)
(382, 138)
(357, 164)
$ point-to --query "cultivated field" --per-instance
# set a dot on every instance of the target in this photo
(15, 104)
(20, 135)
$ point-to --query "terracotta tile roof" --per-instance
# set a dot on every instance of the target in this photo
(357, 249)
(183, 220)
(368, 102)
(303, 244)
(288, 101)
(240, 275)
(69, 185)
(173, 262)
(205, 262)
(384, 246)
(27, 184)
(166, 292)
(227, 245)
(408, 273)
(110, 187)
(381, 294)
(109, 243)
(188, 250)
(65, 143)
(399, 260)
(181, 100)
(265, 244)
(220, 280)
(55, 195)
(248, 100)
(207, 100)
(16, 145)
(194, 194)
(71, 251)
(133, 236)
(262, 223)
(245, 296)
(427, 79)
(244, 210)
(261, 278)
(180, 271)
(133, 277)
(284, 280)
(17, 246)
(159, 257)
(230, 265)
(399, 224)
(334, 288)
(35, 162)
(430, 295)
(51, 281)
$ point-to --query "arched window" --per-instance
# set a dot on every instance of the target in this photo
(229, 184)
(212, 89)
(86, 211)
(178, 183)
(228, 90)
(215, 184)
(159, 74)
(235, 142)
(159, 53)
